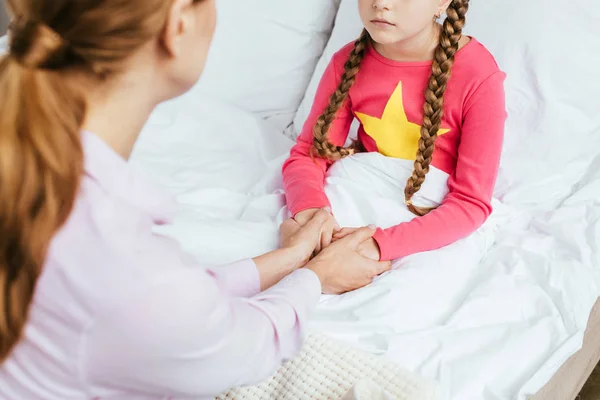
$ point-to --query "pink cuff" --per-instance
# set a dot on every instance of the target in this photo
(240, 279)
(315, 202)
(388, 247)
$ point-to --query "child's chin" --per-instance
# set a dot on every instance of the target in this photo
(383, 37)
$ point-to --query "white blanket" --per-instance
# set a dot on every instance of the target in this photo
(495, 329)
(327, 369)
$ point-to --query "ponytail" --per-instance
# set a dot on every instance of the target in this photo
(41, 164)
(53, 43)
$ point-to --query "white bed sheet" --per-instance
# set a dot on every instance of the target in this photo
(497, 330)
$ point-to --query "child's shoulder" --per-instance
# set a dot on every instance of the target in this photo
(473, 60)
(476, 61)
(341, 56)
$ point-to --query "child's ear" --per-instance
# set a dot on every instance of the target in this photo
(177, 24)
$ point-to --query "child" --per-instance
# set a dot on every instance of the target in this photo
(381, 80)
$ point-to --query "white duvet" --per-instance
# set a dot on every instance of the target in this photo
(490, 317)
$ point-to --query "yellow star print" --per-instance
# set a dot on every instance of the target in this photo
(394, 134)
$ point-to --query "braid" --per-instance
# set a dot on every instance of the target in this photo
(434, 98)
(321, 144)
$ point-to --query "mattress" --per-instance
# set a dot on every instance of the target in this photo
(497, 329)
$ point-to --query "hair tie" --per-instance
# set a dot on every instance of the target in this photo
(35, 45)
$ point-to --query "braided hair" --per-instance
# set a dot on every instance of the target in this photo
(321, 144)
(434, 98)
(441, 70)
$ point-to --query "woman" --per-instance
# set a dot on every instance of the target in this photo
(93, 304)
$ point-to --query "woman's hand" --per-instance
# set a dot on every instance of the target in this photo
(369, 248)
(342, 268)
(303, 239)
(330, 226)
(297, 244)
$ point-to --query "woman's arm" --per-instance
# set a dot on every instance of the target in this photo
(298, 243)
(248, 277)
(184, 337)
(179, 334)
(468, 203)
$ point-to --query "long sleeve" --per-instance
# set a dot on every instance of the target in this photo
(182, 334)
(471, 185)
(303, 176)
(238, 279)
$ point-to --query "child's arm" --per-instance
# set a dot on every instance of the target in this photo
(471, 186)
(303, 176)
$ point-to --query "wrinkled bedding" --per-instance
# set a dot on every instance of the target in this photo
(489, 317)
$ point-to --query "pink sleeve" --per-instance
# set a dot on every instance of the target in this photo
(181, 333)
(468, 203)
(238, 279)
(303, 176)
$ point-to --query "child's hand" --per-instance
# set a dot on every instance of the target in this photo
(369, 248)
(301, 240)
(330, 227)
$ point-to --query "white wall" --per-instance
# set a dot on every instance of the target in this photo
(3, 19)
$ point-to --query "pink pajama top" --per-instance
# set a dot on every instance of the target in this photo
(387, 99)
(122, 313)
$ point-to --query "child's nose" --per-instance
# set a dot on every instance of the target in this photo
(381, 5)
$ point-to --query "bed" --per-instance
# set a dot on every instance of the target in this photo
(517, 326)
(570, 378)
(521, 314)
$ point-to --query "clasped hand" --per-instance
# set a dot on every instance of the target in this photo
(343, 259)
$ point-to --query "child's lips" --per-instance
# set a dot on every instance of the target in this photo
(382, 23)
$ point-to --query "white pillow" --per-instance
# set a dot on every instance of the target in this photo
(551, 59)
(347, 27)
(4, 19)
(265, 52)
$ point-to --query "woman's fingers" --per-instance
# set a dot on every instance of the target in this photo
(342, 233)
(315, 224)
(341, 268)
(369, 270)
(360, 235)
(287, 230)
(377, 268)
(304, 216)
(288, 226)
(323, 225)
(327, 235)
(325, 238)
